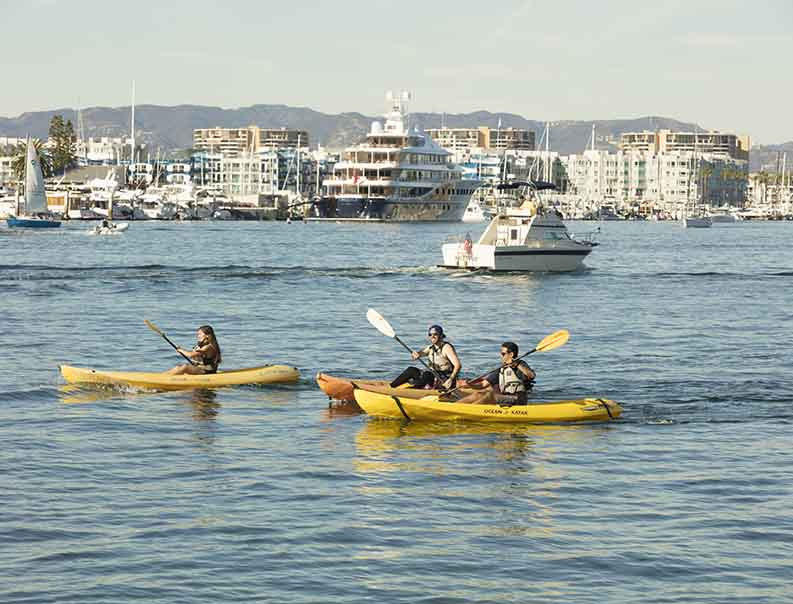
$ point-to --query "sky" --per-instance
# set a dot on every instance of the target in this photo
(726, 65)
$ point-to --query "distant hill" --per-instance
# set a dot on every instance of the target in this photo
(170, 128)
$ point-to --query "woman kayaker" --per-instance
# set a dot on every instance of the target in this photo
(206, 354)
(510, 384)
(442, 360)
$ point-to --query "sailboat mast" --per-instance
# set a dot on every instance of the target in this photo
(27, 167)
(132, 127)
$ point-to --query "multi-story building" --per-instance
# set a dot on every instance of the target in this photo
(232, 142)
(459, 139)
(266, 172)
(670, 178)
(6, 171)
(666, 141)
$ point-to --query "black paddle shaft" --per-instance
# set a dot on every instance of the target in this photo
(176, 348)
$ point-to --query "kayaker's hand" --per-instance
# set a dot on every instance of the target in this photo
(415, 355)
(447, 385)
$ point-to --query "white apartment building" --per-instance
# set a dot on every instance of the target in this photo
(6, 171)
(671, 178)
(666, 141)
(252, 139)
(239, 175)
(104, 150)
(460, 139)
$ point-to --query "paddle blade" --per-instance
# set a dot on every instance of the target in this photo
(152, 326)
(379, 323)
(556, 339)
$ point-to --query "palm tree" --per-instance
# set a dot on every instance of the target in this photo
(20, 158)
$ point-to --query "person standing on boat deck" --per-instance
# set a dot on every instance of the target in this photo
(442, 358)
(510, 384)
(206, 354)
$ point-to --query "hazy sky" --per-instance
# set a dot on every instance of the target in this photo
(725, 64)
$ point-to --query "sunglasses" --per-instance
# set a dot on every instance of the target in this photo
(503, 353)
(433, 334)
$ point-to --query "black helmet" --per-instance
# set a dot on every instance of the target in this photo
(437, 329)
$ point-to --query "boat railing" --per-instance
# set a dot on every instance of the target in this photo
(587, 237)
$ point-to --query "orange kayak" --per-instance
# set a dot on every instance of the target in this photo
(341, 389)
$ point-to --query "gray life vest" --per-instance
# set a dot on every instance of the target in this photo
(511, 381)
(438, 361)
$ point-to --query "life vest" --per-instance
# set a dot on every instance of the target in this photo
(439, 361)
(208, 362)
(512, 381)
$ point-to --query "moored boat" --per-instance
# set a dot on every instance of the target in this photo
(32, 211)
(431, 408)
(266, 374)
(397, 174)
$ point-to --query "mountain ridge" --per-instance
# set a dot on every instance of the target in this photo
(170, 127)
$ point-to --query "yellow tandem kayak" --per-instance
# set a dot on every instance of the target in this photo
(267, 374)
(430, 408)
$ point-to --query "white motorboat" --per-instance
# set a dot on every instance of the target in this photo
(474, 213)
(697, 222)
(724, 215)
(530, 238)
(111, 228)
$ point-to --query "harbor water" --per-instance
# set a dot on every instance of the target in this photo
(267, 494)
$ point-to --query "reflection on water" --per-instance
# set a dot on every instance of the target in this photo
(381, 444)
(203, 402)
(341, 409)
(97, 393)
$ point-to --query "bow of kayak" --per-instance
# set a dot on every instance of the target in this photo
(430, 408)
(267, 374)
(341, 389)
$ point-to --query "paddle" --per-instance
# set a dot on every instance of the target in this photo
(555, 340)
(384, 327)
(155, 329)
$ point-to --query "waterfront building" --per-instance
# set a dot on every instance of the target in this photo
(484, 138)
(663, 180)
(6, 170)
(233, 142)
(666, 141)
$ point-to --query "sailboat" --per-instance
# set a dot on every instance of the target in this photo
(701, 220)
(31, 211)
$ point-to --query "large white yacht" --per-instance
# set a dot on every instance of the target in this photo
(396, 175)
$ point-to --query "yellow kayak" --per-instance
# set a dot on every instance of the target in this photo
(430, 408)
(267, 374)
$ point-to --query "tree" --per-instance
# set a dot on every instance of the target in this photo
(64, 142)
(21, 155)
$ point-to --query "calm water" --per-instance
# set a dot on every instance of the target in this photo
(266, 494)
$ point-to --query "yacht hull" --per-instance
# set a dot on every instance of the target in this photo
(516, 258)
(363, 209)
(32, 223)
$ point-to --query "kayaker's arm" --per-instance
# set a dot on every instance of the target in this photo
(451, 354)
(193, 354)
(416, 354)
(526, 370)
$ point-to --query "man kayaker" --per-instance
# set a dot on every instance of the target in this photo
(205, 355)
(442, 359)
(508, 385)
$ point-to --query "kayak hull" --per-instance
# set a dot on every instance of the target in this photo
(267, 374)
(430, 408)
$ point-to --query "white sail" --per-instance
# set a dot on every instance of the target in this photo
(35, 195)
